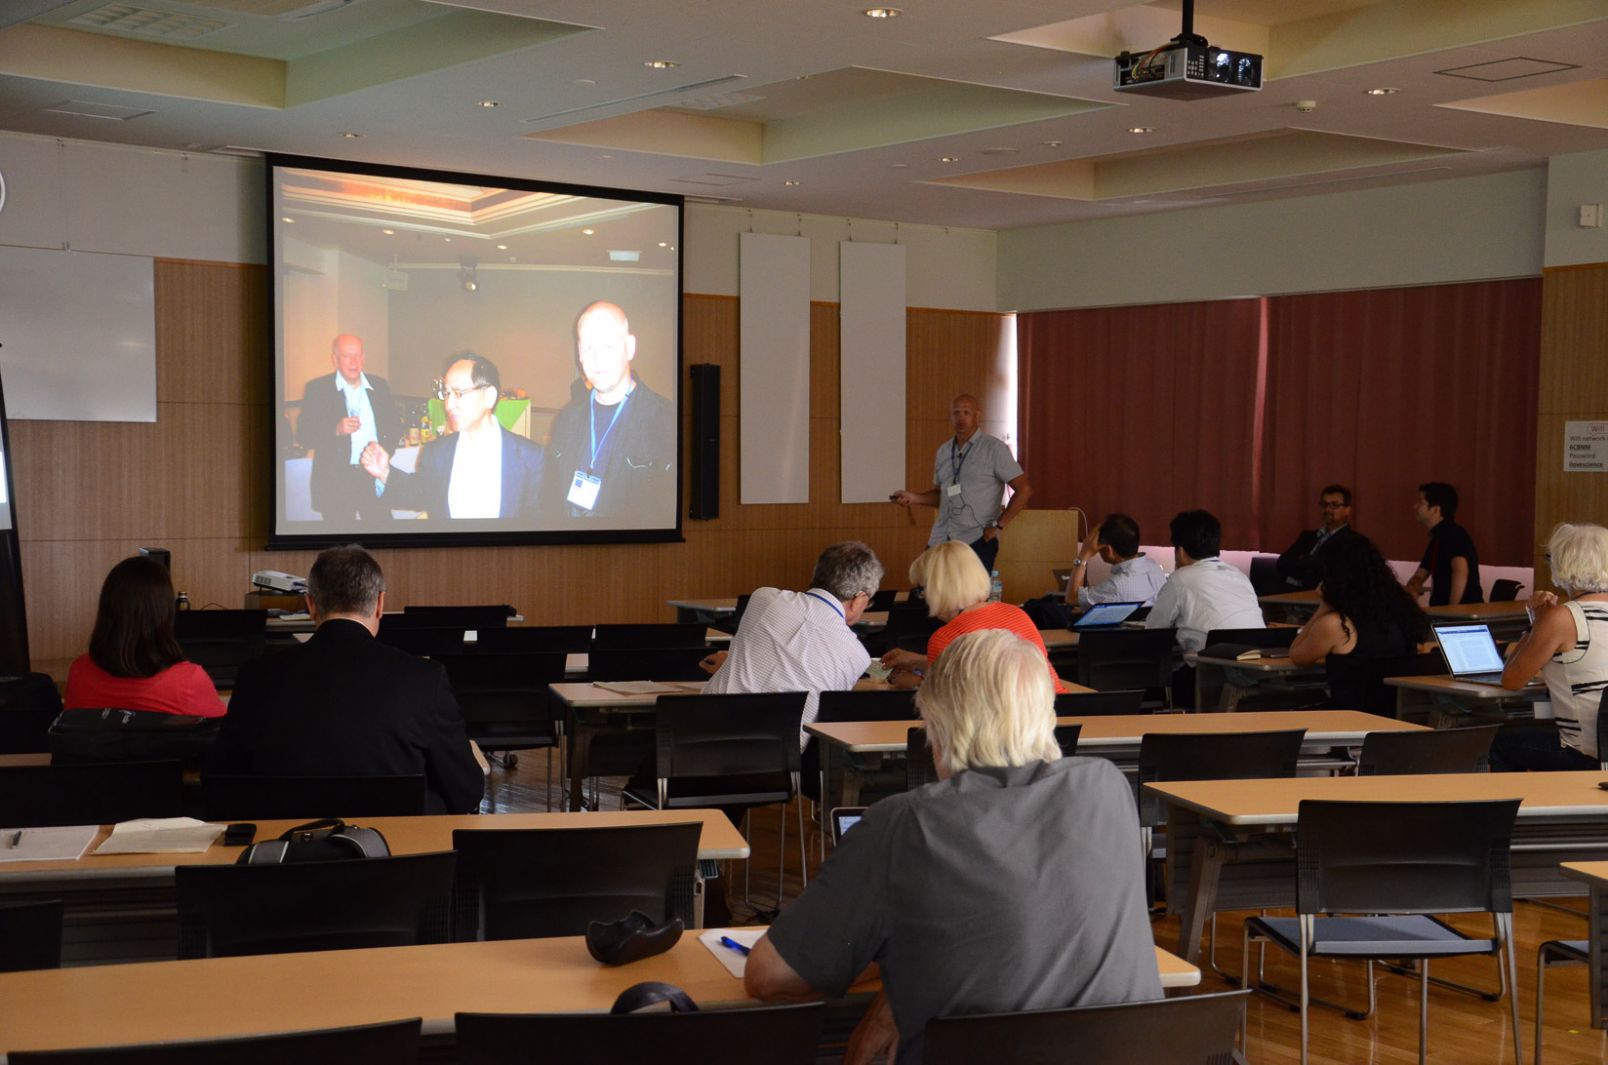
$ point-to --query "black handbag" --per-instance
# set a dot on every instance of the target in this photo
(329, 840)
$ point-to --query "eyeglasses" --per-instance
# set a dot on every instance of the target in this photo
(442, 391)
(1333, 506)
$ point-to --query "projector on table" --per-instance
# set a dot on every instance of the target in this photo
(272, 580)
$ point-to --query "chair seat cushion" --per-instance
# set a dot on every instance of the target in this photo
(1409, 936)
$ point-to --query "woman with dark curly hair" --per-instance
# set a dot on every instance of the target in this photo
(1364, 614)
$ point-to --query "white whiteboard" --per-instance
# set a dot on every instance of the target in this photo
(773, 394)
(79, 336)
(871, 369)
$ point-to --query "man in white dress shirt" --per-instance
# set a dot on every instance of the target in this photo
(803, 641)
(1204, 592)
(1134, 577)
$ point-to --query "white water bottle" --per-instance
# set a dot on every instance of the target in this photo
(996, 587)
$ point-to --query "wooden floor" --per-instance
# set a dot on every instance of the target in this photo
(1462, 1029)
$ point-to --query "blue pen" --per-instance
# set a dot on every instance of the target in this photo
(731, 944)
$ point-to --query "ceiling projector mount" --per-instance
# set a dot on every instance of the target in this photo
(1187, 67)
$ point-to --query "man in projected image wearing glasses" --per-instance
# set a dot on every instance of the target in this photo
(479, 470)
(341, 414)
(613, 447)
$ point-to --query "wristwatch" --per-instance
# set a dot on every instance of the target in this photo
(1078, 562)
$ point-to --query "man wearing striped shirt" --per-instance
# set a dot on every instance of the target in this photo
(802, 641)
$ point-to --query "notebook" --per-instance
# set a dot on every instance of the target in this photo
(1105, 615)
(1471, 653)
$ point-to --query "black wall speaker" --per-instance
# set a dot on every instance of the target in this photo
(705, 463)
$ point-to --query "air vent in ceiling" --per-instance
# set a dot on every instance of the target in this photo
(92, 109)
(280, 9)
(717, 101)
(127, 18)
(714, 180)
(1507, 69)
(658, 94)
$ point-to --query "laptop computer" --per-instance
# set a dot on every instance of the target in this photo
(843, 819)
(1105, 616)
(1470, 652)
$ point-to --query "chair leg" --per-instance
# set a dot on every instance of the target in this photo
(1510, 955)
(1306, 941)
(1540, 999)
(1423, 1009)
(781, 854)
(748, 866)
(549, 780)
(803, 852)
(1245, 981)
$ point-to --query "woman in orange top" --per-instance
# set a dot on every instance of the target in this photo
(957, 589)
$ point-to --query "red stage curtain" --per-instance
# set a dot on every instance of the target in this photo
(1149, 410)
(1384, 389)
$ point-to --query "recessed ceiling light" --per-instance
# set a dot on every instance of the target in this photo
(447, 239)
(664, 244)
(949, 159)
(605, 157)
(589, 232)
(1383, 92)
(287, 220)
(789, 184)
(898, 166)
(583, 81)
(1051, 144)
(490, 103)
(661, 64)
(350, 136)
(389, 232)
(883, 12)
(1141, 129)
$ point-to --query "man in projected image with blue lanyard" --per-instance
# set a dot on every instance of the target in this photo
(613, 446)
(478, 470)
(970, 474)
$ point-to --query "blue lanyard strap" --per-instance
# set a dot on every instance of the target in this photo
(829, 603)
(596, 443)
(957, 457)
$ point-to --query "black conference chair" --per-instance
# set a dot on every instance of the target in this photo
(1265, 576)
(393, 1042)
(1124, 659)
(30, 935)
(849, 706)
(1066, 737)
(90, 794)
(919, 769)
(1505, 591)
(26, 730)
(531, 883)
(465, 617)
(908, 624)
(427, 641)
(506, 702)
(656, 663)
(1100, 704)
(1278, 639)
(767, 1035)
(1195, 1030)
(246, 798)
(221, 641)
(1453, 750)
(526, 639)
(883, 600)
(644, 637)
(229, 910)
(732, 753)
(1398, 863)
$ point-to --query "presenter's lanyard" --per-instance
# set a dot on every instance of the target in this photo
(829, 603)
(957, 456)
(597, 445)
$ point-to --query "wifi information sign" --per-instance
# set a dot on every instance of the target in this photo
(1585, 447)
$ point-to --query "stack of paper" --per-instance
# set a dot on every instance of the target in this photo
(160, 835)
(54, 844)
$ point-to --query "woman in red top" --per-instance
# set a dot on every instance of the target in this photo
(134, 663)
(957, 589)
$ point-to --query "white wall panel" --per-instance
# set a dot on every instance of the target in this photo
(773, 397)
(871, 370)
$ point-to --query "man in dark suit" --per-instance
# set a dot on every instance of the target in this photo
(478, 470)
(341, 414)
(1301, 565)
(344, 704)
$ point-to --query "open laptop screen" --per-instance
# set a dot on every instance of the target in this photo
(1469, 649)
(1104, 615)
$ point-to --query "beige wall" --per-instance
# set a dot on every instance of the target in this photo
(1573, 180)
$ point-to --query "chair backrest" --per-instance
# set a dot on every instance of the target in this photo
(728, 735)
(1122, 659)
(227, 910)
(248, 798)
(529, 883)
(394, 1042)
(90, 794)
(30, 935)
(1452, 750)
(919, 769)
(565, 639)
(638, 663)
(221, 641)
(26, 730)
(1099, 704)
(908, 619)
(639, 637)
(866, 706)
(1196, 1030)
(767, 1035)
(1266, 639)
(1404, 857)
(885, 599)
(428, 641)
(503, 692)
(1066, 736)
(1213, 756)
(468, 617)
(1505, 590)
(1265, 576)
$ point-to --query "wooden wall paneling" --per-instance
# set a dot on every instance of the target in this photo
(212, 332)
(1573, 387)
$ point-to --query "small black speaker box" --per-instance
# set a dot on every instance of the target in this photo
(705, 501)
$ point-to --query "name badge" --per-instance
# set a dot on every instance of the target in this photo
(952, 491)
(584, 489)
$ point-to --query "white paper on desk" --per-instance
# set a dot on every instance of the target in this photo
(734, 962)
(161, 835)
(640, 687)
(54, 844)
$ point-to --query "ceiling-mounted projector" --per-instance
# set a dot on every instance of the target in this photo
(1187, 67)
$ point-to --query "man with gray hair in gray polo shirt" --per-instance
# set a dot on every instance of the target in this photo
(1011, 883)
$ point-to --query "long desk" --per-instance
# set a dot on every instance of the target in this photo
(1508, 620)
(1595, 876)
(165, 1001)
(1229, 842)
(121, 905)
(1289, 606)
(1448, 698)
(1221, 683)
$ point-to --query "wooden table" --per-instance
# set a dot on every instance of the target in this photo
(1221, 683)
(160, 1001)
(1444, 699)
(121, 905)
(1229, 844)
(1508, 620)
(1595, 876)
(1290, 606)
